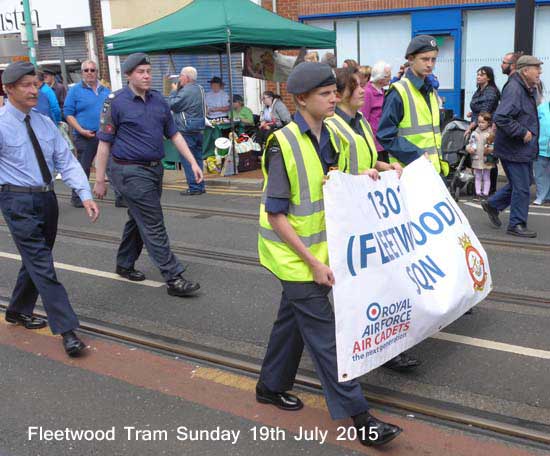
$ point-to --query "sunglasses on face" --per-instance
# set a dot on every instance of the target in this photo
(88, 70)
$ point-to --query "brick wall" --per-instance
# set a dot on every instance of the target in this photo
(97, 24)
(307, 7)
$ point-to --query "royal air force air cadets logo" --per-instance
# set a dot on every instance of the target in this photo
(475, 263)
(433, 43)
(373, 311)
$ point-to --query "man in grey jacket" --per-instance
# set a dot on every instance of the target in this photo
(187, 104)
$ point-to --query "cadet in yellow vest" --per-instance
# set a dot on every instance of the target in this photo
(410, 122)
(359, 154)
(292, 245)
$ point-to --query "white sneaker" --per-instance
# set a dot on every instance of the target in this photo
(537, 203)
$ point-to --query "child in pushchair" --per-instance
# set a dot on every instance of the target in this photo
(453, 148)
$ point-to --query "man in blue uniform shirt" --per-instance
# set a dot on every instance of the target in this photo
(31, 147)
(133, 124)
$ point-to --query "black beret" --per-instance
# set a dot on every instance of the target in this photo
(421, 43)
(16, 71)
(133, 60)
(307, 76)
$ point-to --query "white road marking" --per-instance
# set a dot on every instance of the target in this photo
(492, 345)
(458, 339)
(478, 206)
(92, 272)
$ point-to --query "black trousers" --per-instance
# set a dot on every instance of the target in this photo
(32, 221)
(141, 188)
(306, 317)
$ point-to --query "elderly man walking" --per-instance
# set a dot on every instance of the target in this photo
(516, 144)
(187, 104)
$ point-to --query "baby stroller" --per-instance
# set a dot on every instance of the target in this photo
(453, 147)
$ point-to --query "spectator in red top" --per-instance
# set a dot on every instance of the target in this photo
(374, 100)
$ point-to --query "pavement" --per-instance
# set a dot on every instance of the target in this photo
(233, 314)
(123, 400)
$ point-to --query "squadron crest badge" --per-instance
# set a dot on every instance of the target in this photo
(475, 263)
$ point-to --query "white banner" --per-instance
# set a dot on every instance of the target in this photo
(406, 263)
(45, 14)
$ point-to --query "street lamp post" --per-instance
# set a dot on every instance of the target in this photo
(30, 34)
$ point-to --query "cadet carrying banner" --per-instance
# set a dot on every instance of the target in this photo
(406, 263)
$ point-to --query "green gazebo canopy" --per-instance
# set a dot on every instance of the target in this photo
(207, 25)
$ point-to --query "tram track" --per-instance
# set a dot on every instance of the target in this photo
(505, 426)
(508, 427)
(251, 260)
(204, 212)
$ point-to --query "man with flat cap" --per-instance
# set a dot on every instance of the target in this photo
(410, 122)
(133, 124)
(31, 147)
(517, 146)
(292, 245)
(59, 89)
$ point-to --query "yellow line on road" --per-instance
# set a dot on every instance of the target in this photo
(245, 383)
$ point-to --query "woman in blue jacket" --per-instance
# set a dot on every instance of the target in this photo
(542, 164)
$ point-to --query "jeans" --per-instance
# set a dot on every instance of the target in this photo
(194, 141)
(515, 193)
(86, 149)
(542, 178)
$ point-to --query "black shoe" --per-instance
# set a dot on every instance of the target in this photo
(190, 192)
(521, 231)
(492, 213)
(77, 203)
(28, 321)
(72, 344)
(119, 202)
(182, 287)
(402, 363)
(284, 401)
(130, 274)
(372, 432)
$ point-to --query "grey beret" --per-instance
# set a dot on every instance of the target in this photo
(16, 71)
(133, 60)
(421, 43)
(307, 76)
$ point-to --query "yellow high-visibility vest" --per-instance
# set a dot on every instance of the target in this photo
(306, 211)
(420, 123)
(358, 152)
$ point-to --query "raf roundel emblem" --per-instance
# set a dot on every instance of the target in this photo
(475, 263)
(373, 311)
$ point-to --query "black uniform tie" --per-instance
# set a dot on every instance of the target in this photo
(44, 170)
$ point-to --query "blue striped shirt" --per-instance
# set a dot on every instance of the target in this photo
(18, 163)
